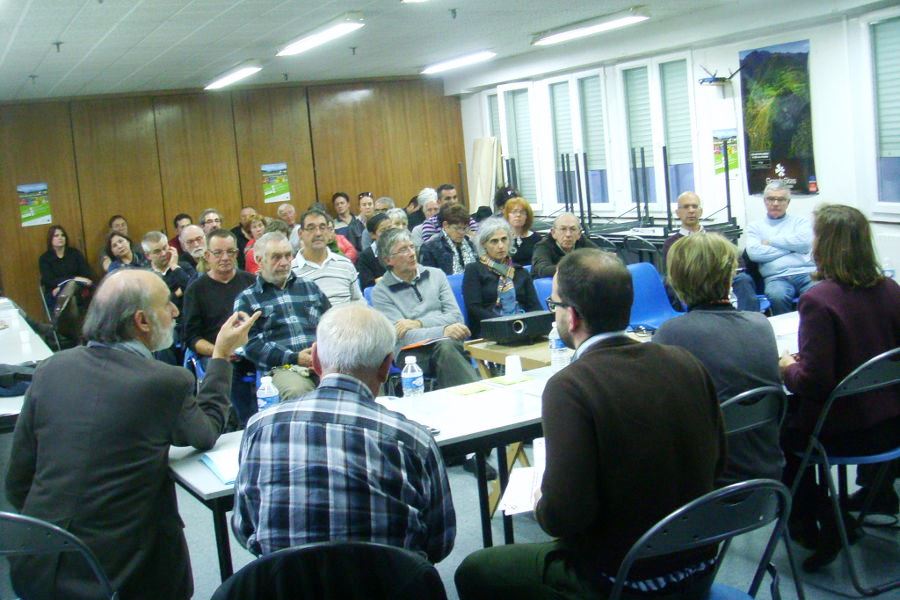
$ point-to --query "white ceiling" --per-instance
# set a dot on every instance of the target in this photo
(121, 46)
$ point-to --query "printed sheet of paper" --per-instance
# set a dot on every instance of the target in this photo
(524, 482)
(223, 463)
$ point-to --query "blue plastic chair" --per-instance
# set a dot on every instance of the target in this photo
(367, 294)
(651, 307)
(456, 283)
(543, 287)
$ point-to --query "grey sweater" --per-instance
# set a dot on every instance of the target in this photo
(739, 351)
(428, 298)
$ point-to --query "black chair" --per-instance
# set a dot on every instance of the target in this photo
(715, 518)
(21, 535)
(604, 243)
(48, 314)
(876, 373)
(644, 249)
(338, 571)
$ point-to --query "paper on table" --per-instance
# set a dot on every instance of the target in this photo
(223, 463)
(524, 482)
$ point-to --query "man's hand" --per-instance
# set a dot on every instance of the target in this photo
(404, 326)
(233, 334)
(457, 331)
(304, 358)
(173, 257)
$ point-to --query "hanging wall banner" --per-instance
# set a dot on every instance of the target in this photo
(34, 204)
(275, 183)
(777, 118)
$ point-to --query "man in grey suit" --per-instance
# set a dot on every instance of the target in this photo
(90, 449)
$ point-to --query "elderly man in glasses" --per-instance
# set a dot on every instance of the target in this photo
(207, 305)
(565, 236)
(782, 246)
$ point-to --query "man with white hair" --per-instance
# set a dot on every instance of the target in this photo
(291, 307)
(287, 213)
(91, 446)
(417, 216)
(193, 248)
(782, 246)
(334, 465)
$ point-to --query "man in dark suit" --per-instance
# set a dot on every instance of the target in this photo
(93, 457)
(633, 431)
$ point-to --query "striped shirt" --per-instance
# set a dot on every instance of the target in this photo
(335, 465)
(336, 277)
(431, 227)
(288, 321)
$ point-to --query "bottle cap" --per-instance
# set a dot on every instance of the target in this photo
(409, 360)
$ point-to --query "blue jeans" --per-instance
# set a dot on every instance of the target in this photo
(745, 291)
(782, 291)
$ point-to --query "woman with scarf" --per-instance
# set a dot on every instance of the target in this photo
(494, 286)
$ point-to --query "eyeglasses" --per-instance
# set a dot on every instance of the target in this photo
(568, 229)
(362, 195)
(457, 228)
(211, 221)
(776, 200)
(321, 227)
(232, 252)
(553, 304)
(196, 240)
(411, 249)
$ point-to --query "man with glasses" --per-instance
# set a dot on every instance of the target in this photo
(193, 248)
(290, 308)
(164, 262)
(207, 305)
(565, 236)
(419, 302)
(782, 246)
(633, 432)
(333, 273)
(451, 250)
(210, 220)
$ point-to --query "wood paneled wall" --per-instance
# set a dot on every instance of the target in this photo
(150, 157)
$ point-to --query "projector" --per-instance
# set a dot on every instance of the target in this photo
(520, 328)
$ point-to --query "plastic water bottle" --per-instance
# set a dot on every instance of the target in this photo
(412, 379)
(267, 394)
(559, 354)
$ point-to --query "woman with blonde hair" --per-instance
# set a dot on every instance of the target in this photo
(517, 212)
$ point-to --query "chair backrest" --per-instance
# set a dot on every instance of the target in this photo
(651, 306)
(752, 269)
(21, 535)
(543, 287)
(754, 408)
(878, 372)
(604, 243)
(713, 518)
(367, 294)
(336, 570)
(637, 244)
(456, 284)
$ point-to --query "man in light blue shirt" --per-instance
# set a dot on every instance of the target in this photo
(781, 244)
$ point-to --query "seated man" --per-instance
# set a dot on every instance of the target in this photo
(90, 449)
(164, 262)
(291, 308)
(419, 302)
(689, 212)
(782, 245)
(334, 464)
(333, 273)
(451, 249)
(193, 244)
(208, 302)
(564, 237)
(633, 431)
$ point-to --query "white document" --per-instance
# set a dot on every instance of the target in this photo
(524, 482)
(223, 463)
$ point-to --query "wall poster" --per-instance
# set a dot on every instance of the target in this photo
(777, 118)
(275, 183)
(34, 204)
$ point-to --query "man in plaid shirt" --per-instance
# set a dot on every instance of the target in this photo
(290, 309)
(334, 464)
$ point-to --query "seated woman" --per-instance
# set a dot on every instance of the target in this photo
(257, 229)
(61, 263)
(517, 212)
(494, 286)
(450, 250)
(738, 348)
(852, 315)
(119, 250)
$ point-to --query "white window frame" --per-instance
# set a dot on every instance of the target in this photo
(533, 111)
(657, 130)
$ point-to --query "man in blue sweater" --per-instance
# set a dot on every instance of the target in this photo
(781, 244)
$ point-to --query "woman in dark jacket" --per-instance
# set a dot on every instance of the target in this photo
(119, 248)
(494, 286)
(61, 263)
(450, 250)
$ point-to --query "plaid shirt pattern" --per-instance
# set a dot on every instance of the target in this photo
(288, 321)
(335, 465)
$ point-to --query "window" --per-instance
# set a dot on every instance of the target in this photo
(593, 130)
(640, 131)
(886, 67)
(519, 144)
(561, 114)
(677, 122)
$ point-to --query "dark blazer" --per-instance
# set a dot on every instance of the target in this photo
(93, 459)
(437, 252)
(547, 254)
(480, 293)
(633, 432)
(369, 268)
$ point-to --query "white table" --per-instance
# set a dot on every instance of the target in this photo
(18, 344)
(475, 417)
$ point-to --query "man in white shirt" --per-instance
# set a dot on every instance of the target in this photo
(334, 274)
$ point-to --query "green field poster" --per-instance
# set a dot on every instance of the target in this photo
(275, 183)
(34, 204)
(720, 138)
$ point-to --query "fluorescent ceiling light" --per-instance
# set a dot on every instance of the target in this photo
(591, 27)
(234, 75)
(463, 61)
(322, 35)
(412, 1)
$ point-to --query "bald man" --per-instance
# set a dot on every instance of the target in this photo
(564, 237)
(107, 439)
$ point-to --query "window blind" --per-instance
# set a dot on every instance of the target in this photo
(561, 114)
(637, 104)
(676, 111)
(886, 63)
(518, 131)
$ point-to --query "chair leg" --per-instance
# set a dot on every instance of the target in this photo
(792, 561)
